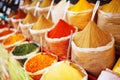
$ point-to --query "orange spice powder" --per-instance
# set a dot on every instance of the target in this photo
(5, 32)
(62, 29)
(12, 39)
(39, 62)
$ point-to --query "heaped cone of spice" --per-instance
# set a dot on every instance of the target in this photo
(27, 23)
(60, 7)
(45, 3)
(62, 71)
(112, 7)
(91, 37)
(79, 15)
(109, 19)
(44, 7)
(58, 38)
(18, 18)
(92, 47)
(36, 65)
(27, 2)
(39, 29)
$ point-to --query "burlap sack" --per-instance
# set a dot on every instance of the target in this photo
(37, 35)
(15, 23)
(43, 11)
(25, 29)
(110, 22)
(94, 60)
(79, 19)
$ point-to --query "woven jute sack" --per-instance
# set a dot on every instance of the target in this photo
(94, 60)
(110, 22)
(79, 19)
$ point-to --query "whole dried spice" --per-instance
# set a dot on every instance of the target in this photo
(24, 49)
(39, 62)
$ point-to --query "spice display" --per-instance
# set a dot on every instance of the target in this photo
(91, 37)
(24, 49)
(12, 13)
(62, 29)
(63, 71)
(42, 23)
(27, 2)
(9, 67)
(39, 62)
(34, 3)
(60, 7)
(116, 68)
(45, 3)
(80, 7)
(13, 39)
(112, 7)
(6, 32)
(20, 15)
(29, 19)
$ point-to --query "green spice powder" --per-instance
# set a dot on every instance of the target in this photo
(24, 49)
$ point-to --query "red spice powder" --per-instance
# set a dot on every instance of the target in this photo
(62, 29)
(39, 62)
(20, 14)
(5, 32)
(3, 25)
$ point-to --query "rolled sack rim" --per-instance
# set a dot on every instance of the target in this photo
(25, 25)
(109, 14)
(83, 11)
(40, 31)
(101, 48)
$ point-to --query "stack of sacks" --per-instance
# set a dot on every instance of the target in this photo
(93, 49)
(39, 29)
(79, 15)
(58, 38)
(65, 71)
(18, 18)
(109, 19)
(58, 11)
(26, 24)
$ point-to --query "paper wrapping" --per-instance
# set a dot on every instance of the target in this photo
(94, 60)
(79, 19)
(110, 22)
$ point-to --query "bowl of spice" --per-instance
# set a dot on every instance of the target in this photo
(6, 32)
(36, 65)
(24, 50)
(13, 40)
